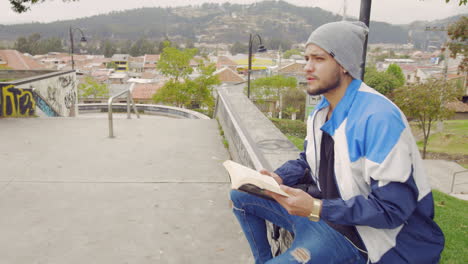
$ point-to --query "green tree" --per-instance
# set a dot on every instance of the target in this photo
(383, 82)
(291, 52)
(173, 93)
(92, 88)
(202, 87)
(458, 33)
(21, 45)
(396, 71)
(109, 49)
(175, 63)
(20, 6)
(460, 2)
(426, 103)
(238, 47)
(141, 47)
(272, 87)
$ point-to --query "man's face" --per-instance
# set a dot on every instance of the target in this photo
(323, 73)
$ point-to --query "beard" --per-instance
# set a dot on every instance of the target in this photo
(327, 85)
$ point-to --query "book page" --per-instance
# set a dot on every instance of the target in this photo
(241, 175)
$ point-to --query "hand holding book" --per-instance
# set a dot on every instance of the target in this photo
(251, 181)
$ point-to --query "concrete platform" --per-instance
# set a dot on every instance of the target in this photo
(157, 193)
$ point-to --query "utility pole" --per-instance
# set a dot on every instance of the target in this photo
(364, 16)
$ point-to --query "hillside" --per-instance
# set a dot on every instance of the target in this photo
(212, 23)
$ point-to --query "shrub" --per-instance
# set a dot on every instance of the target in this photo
(295, 128)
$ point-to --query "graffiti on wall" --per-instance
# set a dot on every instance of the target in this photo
(15, 102)
(42, 104)
(58, 94)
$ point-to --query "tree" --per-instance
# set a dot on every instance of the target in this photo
(238, 47)
(272, 88)
(202, 87)
(458, 33)
(180, 90)
(426, 103)
(383, 82)
(109, 49)
(460, 2)
(92, 88)
(20, 6)
(175, 63)
(291, 52)
(396, 71)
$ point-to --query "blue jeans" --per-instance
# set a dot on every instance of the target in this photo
(314, 242)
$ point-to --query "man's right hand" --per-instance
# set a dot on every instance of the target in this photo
(272, 174)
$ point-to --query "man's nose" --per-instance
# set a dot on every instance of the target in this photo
(309, 67)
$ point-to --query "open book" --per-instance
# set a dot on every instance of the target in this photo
(248, 180)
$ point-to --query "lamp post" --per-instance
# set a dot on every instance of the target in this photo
(83, 42)
(261, 48)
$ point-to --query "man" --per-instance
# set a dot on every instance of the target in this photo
(367, 198)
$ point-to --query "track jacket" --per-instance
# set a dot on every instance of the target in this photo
(384, 190)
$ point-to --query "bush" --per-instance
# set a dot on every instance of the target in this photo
(295, 128)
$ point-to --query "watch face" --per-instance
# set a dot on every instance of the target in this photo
(314, 218)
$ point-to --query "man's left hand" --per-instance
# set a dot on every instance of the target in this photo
(298, 203)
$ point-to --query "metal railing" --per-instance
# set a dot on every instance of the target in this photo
(129, 100)
(453, 179)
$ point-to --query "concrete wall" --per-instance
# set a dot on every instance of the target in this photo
(58, 90)
(16, 102)
(253, 139)
(55, 93)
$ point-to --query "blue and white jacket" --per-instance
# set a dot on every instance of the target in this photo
(384, 190)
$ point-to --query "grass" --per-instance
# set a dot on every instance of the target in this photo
(298, 142)
(452, 217)
(452, 140)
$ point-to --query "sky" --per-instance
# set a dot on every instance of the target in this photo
(391, 11)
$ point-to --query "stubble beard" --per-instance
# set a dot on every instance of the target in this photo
(334, 83)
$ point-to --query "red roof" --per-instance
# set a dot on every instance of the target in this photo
(295, 67)
(224, 61)
(151, 58)
(18, 61)
(227, 75)
(145, 90)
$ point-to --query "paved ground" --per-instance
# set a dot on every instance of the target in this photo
(157, 193)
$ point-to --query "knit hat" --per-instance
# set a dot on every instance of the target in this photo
(343, 40)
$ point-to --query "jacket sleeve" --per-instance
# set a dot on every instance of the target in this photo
(385, 152)
(294, 170)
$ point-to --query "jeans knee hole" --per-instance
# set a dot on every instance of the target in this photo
(302, 255)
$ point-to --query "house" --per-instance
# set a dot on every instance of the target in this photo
(228, 75)
(294, 69)
(150, 61)
(14, 60)
(121, 62)
(224, 61)
(136, 64)
(143, 92)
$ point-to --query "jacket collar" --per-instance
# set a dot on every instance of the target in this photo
(342, 108)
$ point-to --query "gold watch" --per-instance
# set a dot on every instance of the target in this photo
(316, 209)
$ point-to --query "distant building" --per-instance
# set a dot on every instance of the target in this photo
(121, 62)
(228, 75)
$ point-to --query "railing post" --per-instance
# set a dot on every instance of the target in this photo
(109, 111)
(129, 94)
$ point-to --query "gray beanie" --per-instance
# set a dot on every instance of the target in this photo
(343, 40)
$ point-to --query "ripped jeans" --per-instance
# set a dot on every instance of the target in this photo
(314, 242)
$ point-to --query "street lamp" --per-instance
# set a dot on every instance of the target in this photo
(83, 42)
(261, 48)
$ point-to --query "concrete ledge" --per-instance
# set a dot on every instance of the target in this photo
(254, 140)
(145, 108)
